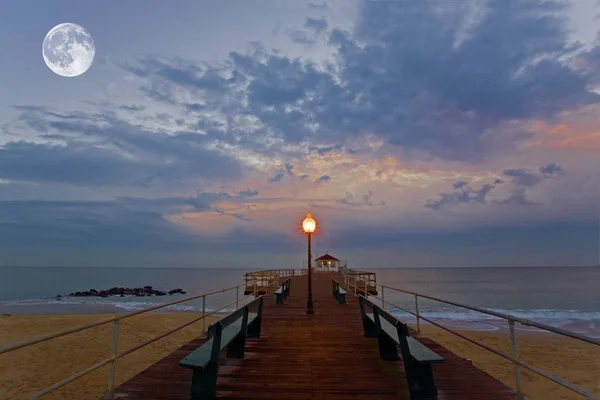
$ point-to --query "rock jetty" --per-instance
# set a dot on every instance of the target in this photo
(122, 292)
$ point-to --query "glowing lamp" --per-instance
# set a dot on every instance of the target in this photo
(309, 224)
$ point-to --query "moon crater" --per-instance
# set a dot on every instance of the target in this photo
(68, 50)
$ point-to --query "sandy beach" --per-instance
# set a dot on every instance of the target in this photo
(30, 369)
(569, 359)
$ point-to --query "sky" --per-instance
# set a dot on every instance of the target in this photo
(416, 132)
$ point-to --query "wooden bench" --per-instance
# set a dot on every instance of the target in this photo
(338, 292)
(230, 332)
(391, 334)
(283, 292)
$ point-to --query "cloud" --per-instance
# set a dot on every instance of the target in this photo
(463, 194)
(399, 75)
(523, 176)
(102, 150)
(316, 24)
(520, 178)
(116, 223)
(324, 178)
(552, 169)
(318, 6)
(364, 200)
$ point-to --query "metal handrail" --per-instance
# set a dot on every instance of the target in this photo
(508, 317)
(115, 320)
(511, 323)
(49, 336)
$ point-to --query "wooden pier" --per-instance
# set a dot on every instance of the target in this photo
(321, 356)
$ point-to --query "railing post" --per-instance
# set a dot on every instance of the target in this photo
(111, 373)
(383, 297)
(237, 297)
(204, 314)
(513, 341)
(418, 316)
(366, 293)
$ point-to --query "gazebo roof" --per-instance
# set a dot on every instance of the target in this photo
(326, 257)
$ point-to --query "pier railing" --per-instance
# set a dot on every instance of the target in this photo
(268, 278)
(511, 320)
(360, 282)
(115, 321)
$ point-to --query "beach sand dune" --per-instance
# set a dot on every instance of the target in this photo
(27, 370)
(571, 360)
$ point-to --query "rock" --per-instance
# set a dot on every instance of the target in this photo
(175, 291)
(183, 292)
(122, 295)
(159, 293)
(93, 292)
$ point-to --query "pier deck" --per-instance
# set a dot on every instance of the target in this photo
(323, 356)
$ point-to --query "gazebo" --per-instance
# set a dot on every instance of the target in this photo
(327, 263)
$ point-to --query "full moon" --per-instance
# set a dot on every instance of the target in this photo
(68, 50)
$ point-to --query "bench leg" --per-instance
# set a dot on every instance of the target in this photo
(235, 348)
(370, 330)
(254, 328)
(424, 387)
(388, 349)
(204, 383)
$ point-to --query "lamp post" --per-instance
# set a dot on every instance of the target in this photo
(309, 226)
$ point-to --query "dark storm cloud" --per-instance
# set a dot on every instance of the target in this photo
(101, 150)
(401, 76)
(520, 178)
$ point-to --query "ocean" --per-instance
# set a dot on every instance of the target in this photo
(567, 297)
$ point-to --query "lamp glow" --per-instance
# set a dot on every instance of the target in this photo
(309, 224)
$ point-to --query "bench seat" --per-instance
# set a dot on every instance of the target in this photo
(200, 357)
(282, 293)
(338, 292)
(418, 351)
(229, 332)
(392, 335)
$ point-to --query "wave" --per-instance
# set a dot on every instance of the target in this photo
(129, 304)
(531, 314)
(122, 303)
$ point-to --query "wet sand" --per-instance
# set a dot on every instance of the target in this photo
(27, 370)
(571, 360)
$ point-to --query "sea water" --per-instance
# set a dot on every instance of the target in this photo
(567, 297)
